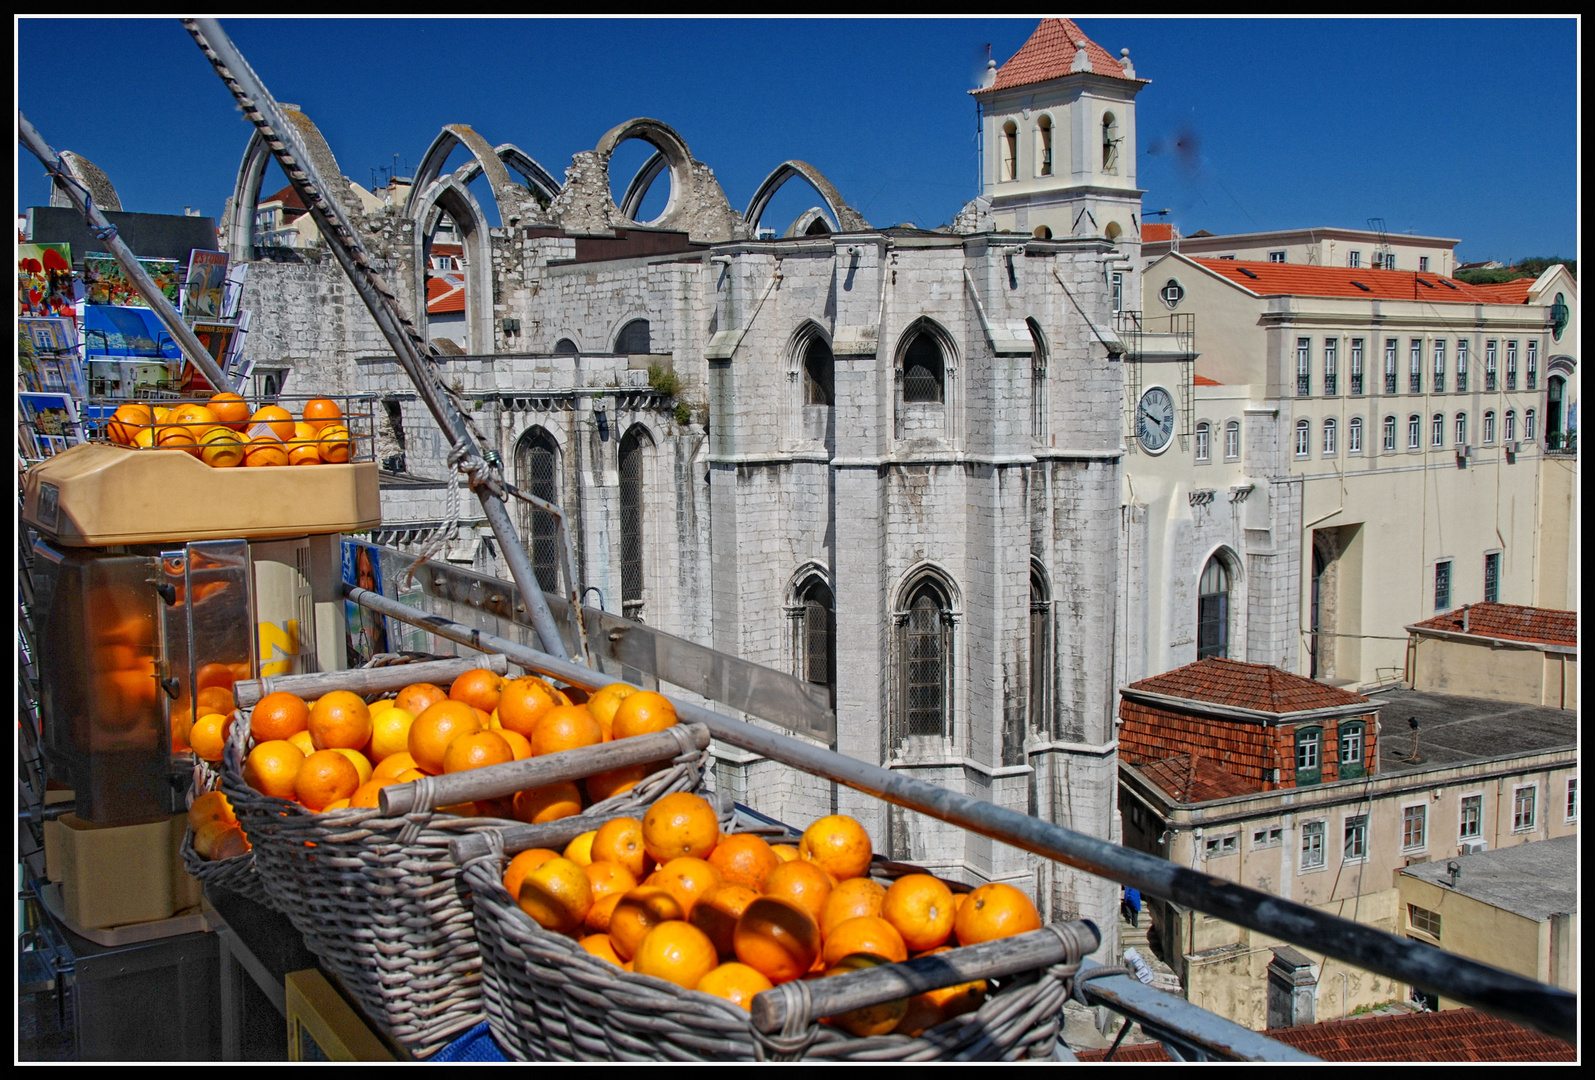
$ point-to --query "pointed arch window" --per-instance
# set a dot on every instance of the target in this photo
(632, 448)
(819, 373)
(1038, 383)
(924, 663)
(924, 371)
(1040, 652)
(814, 635)
(1212, 611)
(537, 472)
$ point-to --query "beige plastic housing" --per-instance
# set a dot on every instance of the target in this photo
(96, 494)
(112, 875)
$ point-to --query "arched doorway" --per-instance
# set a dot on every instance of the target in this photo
(1213, 611)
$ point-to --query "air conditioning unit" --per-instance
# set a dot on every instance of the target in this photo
(1473, 847)
(1462, 452)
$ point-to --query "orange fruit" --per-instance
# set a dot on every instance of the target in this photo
(410, 776)
(523, 864)
(272, 766)
(744, 859)
(680, 824)
(677, 952)
(475, 750)
(921, 909)
(340, 719)
(564, 727)
(548, 803)
(230, 845)
(392, 765)
(517, 743)
(390, 732)
(304, 448)
(208, 736)
(326, 776)
(214, 699)
(214, 675)
(803, 884)
(206, 835)
(864, 934)
(302, 740)
(435, 728)
(379, 706)
(580, 850)
(522, 702)
(126, 422)
(932, 1007)
(361, 763)
(337, 445)
(321, 412)
(416, 698)
(264, 451)
(603, 703)
(619, 840)
(838, 845)
(686, 879)
(271, 420)
(366, 794)
(737, 983)
(643, 713)
(638, 912)
(478, 688)
(867, 1020)
(222, 448)
(193, 414)
(608, 879)
(209, 806)
(777, 938)
(502, 808)
(850, 899)
(785, 852)
(341, 804)
(229, 409)
(599, 914)
(612, 782)
(995, 911)
(717, 911)
(600, 946)
(144, 438)
(556, 895)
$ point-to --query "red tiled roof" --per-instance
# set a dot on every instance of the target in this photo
(1514, 622)
(1153, 232)
(287, 196)
(1515, 291)
(1049, 54)
(1193, 778)
(445, 295)
(1203, 380)
(1247, 686)
(1452, 1035)
(1295, 279)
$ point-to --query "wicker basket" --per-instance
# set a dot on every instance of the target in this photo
(237, 874)
(379, 900)
(548, 999)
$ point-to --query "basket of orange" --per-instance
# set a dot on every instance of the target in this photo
(663, 938)
(351, 805)
(216, 852)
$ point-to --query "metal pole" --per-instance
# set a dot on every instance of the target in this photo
(408, 347)
(1498, 992)
(105, 232)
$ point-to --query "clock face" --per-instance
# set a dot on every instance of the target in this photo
(1154, 419)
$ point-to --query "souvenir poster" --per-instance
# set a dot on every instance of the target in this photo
(126, 331)
(217, 339)
(140, 379)
(52, 421)
(52, 334)
(107, 283)
(27, 361)
(367, 631)
(44, 279)
(202, 292)
(233, 290)
(105, 378)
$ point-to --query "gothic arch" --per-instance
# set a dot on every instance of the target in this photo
(514, 201)
(631, 202)
(450, 196)
(672, 154)
(847, 219)
(921, 572)
(811, 222)
(240, 227)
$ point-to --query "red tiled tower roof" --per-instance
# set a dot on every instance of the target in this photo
(1260, 687)
(1360, 283)
(1512, 622)
(1049, 54)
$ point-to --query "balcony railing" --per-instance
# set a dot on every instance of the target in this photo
(1562, 443)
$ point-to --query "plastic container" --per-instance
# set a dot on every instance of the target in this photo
(113, 875)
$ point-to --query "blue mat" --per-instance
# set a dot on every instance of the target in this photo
(475, 1045)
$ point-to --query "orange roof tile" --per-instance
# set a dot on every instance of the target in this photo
(1360, 283)
(1193, 778)
(1049, 54)
(1261, 687)
(1452, 1035)
(445, 295)
(1515, 291)
(1153, 232)
(1513, 622)
(287, 196)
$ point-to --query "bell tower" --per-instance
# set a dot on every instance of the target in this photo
(1058, 130)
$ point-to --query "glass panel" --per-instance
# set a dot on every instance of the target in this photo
(535, 467)
(924, 705)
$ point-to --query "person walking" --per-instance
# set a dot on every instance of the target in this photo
(1132, 906)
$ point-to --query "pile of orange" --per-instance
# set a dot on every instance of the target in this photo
(224, 433)
(339, 752)
(672, 897)
(217, 834)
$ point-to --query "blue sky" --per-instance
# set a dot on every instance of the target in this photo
(1460, 128)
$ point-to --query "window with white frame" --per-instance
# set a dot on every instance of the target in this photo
(1462, 365)
(1391, 344)
(1303, 439)
(1309, 756)
(1331, 366)
(1492, 577)
(1389, 434)
(1572, 800)
(1355, 848)
(1354, 436)
(1437, 429)
(1528, 425)
(1531, 373)
(1462, 429)
(1356, 366)
(1172, 293)
(1232, 440)
(1117, 282)
(1354, 259)
(1415, 367)
(1204, 432)
(1489, 426)
(1217, 846)
(1509, 432)
(1471, 821)
(1312, 845)
(1351, 750)
(1439, 365)
(1489, 366)
(1414, 432)
(1423, 264)
(1523, 808)
(1304, 366)
(1414, 827)
(1511, 365)
(1276, 256)
(1329, 438)
(1267, 837)
(1442, 585)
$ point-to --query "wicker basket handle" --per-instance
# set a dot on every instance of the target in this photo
(1059, 943)
(364, 681)
(495, 781)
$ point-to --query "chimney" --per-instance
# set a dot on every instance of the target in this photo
(1464, 618)
(1292, 989)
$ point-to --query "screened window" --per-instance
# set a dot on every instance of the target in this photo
(1415, 367)
(1390, 365)
(924, 371)
(1329, 438)
(1331, 366)
(1414, 828)
(1489, 425)
(536, 469)
(1232, 440)
(1304, 366)
(925, 638)
(1309, 759)
(815, 635)
(1462, 365)
(1523, 808)
(1492, 578)
(1212, 611)
(1442, 585)
(1204, 432)
(819, 374)
(1414, 432)
(1472, 817)
(1356, 838)
(632, 449)
(1352, 751)
(1303, 438)
(1439, 366)
(1390, 433)
(1356, 366)
(1312, 845)
(1354, 436)
(633, 338)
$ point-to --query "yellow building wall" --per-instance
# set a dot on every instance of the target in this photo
(1556, 569)
(1480, 931)
(1476, 669)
